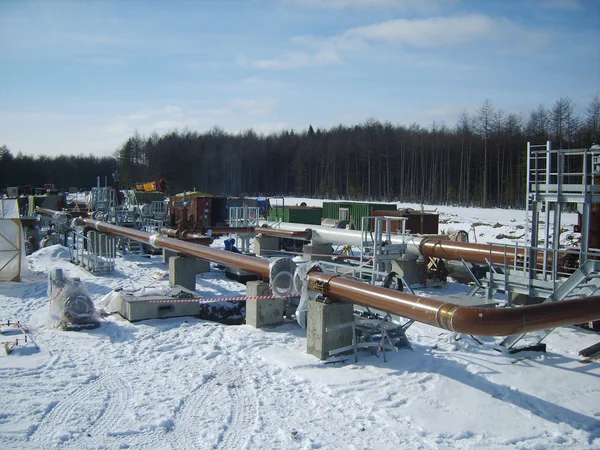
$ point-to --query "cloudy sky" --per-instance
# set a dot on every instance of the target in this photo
(81, 76)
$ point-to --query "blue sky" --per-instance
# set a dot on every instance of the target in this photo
(82, 76)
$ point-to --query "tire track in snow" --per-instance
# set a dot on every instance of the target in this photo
(194, 422)
(190, 420)
(82, 407)
(244, 412)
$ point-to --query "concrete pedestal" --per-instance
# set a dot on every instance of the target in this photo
(265, 244)
(409, 270)
(182, 272)
(322, 315)
(202, 265)
(317, 252)
(262, 312)
(166, 254)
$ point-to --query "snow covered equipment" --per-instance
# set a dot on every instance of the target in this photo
(70, 303)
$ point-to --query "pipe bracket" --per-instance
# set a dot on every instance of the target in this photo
(321, 284)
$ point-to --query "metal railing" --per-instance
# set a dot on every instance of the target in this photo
(93, 251)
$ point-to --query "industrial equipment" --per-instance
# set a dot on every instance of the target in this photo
(152, 186)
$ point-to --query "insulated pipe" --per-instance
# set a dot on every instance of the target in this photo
(436, 312)
(304, 235)
(419, 246)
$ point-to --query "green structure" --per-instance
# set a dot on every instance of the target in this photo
(296, 214)
(353, 212)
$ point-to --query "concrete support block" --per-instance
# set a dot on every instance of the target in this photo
(262, 312)
(317, 252)
(409, 270)
(202, 265)
(167, 254)
(182, 272)
(265, 244)
(322, 315)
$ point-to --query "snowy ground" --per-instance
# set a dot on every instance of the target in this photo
(186, 383)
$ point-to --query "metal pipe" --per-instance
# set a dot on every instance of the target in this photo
(474, 253)
(225, 230)
(417, 246)
(249, 263)
(450, 316)
(439, 313)
(303, 235)
(187, 236)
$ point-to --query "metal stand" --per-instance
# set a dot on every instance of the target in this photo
(377, 250)
(244, 217)
(94, 251)
(375, 334)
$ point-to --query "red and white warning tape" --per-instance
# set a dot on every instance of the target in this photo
(219, 299)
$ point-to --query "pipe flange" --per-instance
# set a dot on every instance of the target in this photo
(281, 276)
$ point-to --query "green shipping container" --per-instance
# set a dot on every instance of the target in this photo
(297, 214)
(354, 211)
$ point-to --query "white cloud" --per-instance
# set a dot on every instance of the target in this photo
(175, 110)
(434, 32)
(430, 33)
(561, 4)
(424, 6)
(271, 127)
(263, 82)
(295, 60)
(256, 107)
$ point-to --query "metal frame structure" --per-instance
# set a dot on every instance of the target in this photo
(243, 217)
(555, 179)
(377, 249)
(92, 250)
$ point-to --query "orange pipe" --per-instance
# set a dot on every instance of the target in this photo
(431, 311)
(306, 234)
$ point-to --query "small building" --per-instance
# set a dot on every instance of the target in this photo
(353, 212)
(418, 222)
(296, 214)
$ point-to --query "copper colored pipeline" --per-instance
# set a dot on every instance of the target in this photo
(438, 313)
(48, 212)
(449, 316)
(225, 230)
(475, 253)
(187, 236)
(306, 234)
(249, 263)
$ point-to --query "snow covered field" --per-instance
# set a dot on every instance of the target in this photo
(185, 383)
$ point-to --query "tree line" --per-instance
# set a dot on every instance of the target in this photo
(79, 171)
(481, 161)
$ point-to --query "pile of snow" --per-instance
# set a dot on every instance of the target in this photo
(188, 383)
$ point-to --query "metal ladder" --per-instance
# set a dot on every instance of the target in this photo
(133, 247)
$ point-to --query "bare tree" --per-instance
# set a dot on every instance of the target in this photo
(483, 126)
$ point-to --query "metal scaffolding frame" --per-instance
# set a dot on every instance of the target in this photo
(93, 251)
(377, 250)
(243, 217)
